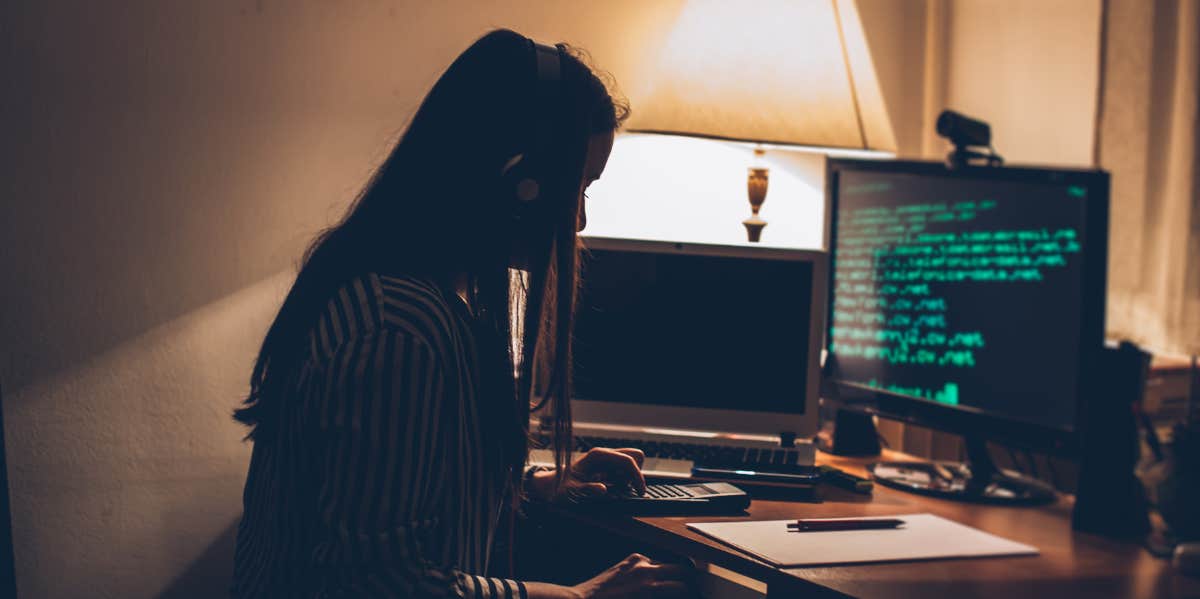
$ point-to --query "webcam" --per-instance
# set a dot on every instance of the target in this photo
(963, 130)
(969, 137)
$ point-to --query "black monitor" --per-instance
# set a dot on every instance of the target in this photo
(968, 300)
(699, 337)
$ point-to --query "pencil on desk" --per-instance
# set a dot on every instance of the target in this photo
(828, 525)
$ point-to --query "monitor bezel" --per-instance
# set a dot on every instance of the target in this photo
(727, 422)
(962, 419)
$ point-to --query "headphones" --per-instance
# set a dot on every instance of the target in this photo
(524, 175)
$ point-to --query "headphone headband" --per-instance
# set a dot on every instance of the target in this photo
(547, 62)
(548, 70)
(527, 175)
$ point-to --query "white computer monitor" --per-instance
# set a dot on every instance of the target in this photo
(700, 337)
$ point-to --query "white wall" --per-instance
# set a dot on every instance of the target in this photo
(685, 189)
(1031, 69)
(164, 165)
(125, 468)
(895, 31)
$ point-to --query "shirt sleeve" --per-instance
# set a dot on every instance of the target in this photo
(380, 478)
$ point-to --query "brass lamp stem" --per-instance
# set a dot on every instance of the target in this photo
(756, 189)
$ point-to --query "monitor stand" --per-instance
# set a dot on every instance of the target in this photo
(977, 480)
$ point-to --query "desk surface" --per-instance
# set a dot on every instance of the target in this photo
(1071, 564)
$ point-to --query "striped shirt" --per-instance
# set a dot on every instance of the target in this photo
(374, 482)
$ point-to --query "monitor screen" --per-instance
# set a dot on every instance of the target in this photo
(696, 331)
(965, 291)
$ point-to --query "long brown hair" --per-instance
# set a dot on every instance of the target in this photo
(436, 208)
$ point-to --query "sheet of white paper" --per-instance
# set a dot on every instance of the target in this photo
(923, 536)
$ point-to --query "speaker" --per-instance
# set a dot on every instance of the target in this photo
(1110, 500)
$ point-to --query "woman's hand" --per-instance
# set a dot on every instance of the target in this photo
(637, 576)
(594, 472)
(601, 468)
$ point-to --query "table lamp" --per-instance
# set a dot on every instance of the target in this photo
(793, 74)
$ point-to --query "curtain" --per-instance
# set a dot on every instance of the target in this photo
(1147, 138)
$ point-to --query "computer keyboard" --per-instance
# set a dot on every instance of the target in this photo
(691, 460)
(712, 498)
(706, 456)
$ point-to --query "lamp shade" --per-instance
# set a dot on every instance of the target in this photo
(783, 72)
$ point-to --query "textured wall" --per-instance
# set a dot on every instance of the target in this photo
(195, 146)
(1031, 69)
(125, 468)
(164, 164)
(896, 37)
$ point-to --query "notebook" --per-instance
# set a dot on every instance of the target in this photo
(922, 537)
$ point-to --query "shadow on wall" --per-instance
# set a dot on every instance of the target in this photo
(209, 576)
(124, 468)
(166, 154)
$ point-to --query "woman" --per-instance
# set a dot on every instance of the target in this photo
(391, 398)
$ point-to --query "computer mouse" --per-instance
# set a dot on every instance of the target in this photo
(1187, 558)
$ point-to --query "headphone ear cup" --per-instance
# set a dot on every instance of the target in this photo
(531, 223)
(519, 183)
(527, 190)
(522, 191)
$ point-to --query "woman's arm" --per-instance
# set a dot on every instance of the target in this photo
(379, 419)
(635, 577)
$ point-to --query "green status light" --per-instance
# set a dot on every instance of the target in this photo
(1077, 191)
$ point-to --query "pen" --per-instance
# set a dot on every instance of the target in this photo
(852, 524)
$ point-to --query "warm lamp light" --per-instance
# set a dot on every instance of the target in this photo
(775, 73)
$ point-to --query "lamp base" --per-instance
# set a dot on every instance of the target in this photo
(757, 177)
(754, 226)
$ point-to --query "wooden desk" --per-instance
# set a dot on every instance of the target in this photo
(1071, 564)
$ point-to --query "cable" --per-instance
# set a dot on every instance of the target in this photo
(1033, 464)
(994, 159)
(1012, 457)
(1053, 472)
